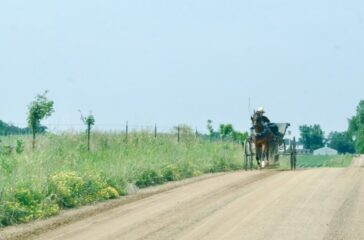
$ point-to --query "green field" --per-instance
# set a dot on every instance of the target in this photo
(311, 161)
(61, 173)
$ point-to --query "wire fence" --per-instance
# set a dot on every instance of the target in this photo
(179, 131)
(19, 128)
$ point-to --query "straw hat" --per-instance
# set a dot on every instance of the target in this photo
(261, 109)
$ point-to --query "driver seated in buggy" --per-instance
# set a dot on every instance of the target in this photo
(266, 122)
(261, 112)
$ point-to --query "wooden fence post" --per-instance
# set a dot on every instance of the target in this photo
(126, 131)
(178, 133)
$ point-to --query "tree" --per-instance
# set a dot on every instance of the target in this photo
(356, 128)
(89, 121)
(240, 136)
(226, 130)
(39, 109)
(212, 133)
(209, 127)
(342, 142)
(312, 137)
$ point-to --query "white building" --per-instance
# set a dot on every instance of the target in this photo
(325, 151)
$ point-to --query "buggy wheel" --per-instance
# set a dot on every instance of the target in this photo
(251, 154)
(294, 153)
(246, 154)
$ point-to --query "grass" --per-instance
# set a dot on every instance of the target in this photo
(312, 161)
(61, 173)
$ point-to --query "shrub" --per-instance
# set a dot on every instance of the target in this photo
(119, 184)
(108, 193)
(71, 190)
(149, 178)
(171, 173)
(188, 169)
(67, 188)
(26, 205)
(19, 148)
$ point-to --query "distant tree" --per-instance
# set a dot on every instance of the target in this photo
(184, 129)
(312, 137)
(226, 130)
(240, 136)
(212, 133)
(9, 129)
(89, 121)
(209, 127)
(356, 128)
(342, 142)
(39, 109)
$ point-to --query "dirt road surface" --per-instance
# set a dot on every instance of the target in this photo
(306, 204)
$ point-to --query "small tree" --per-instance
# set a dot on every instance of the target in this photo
(240, 137)
(226, 130)
(209, 127)
(39, 109)
(212, 133)
(89, 121)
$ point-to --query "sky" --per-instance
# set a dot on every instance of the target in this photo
(172, 62)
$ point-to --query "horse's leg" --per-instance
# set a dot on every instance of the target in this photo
(266, 149)
(258, 149)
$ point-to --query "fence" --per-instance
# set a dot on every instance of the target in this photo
(179, 131)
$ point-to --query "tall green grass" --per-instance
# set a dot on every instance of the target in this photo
(61, 173)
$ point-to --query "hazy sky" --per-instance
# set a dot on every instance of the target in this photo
(187, 61)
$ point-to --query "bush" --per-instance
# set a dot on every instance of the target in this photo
(25, 206)
(188, 169)
(119, 184)
(149, 178)
(171, 173)
(19, 148)
(67, 188)
(71, 190)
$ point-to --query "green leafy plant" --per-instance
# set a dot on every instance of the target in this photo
(89, 121)
(39, 109)
(171, 173)
(149, 178)
(19, 148)
(71, 189)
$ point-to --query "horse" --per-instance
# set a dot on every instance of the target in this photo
(261, 136)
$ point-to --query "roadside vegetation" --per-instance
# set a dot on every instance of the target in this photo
(62, 173)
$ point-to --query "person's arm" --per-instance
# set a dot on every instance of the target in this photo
(265, 119)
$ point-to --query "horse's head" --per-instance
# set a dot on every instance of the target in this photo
(257, 120)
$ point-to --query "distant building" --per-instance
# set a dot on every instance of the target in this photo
(325, 151)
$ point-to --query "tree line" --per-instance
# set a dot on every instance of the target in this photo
(349, 141)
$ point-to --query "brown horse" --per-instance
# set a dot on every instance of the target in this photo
(261, 136)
